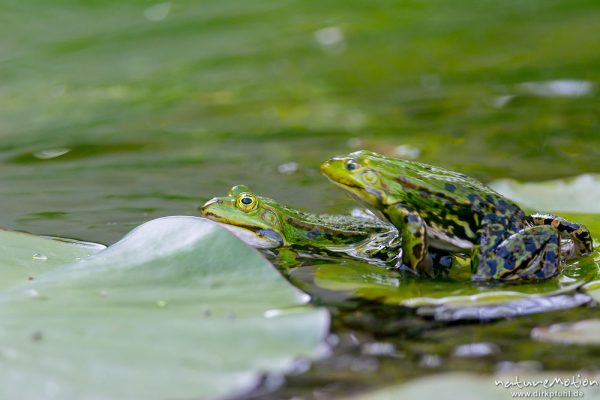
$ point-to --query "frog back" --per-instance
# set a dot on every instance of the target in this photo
(453, 204)
(306, 228)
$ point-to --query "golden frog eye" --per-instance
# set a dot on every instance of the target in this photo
(246, 202)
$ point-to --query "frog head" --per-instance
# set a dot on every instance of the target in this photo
(370, 177)
(251, 218)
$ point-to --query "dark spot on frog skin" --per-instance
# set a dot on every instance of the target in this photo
(530, 246)
(570, 226)
(507, 256)
(550, 257)
(503, 207)
(473, 198)
(313, 234)
(492, 266)
(543, 274)
(417, 250)
(450, 187)
(413, 218)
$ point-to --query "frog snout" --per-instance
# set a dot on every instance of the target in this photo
(204, 208)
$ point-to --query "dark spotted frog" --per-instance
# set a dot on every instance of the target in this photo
(448, 211)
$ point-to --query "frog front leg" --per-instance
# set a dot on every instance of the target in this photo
(532, 253)
(413, 231)
(581, 238)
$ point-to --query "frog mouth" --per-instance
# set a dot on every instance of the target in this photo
(257, 238)
(369, 196)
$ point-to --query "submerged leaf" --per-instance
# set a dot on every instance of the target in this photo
(580, 332)
(468, 386)
(177, 309)
(576, 195)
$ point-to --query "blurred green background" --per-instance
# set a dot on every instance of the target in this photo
(113, 113)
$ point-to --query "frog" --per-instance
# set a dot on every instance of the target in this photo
(265, 223)
(433, 207)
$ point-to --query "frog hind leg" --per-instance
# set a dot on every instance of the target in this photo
(579, 234)
(413, 231)
(532, 253)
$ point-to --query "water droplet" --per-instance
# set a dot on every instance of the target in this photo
(157, 12)
(288, 168)
(476, 349)
(558, 88)
(272, 313)
(527, 366)
(501, 101)
(38, 256)
(407, 151)
(378, 349)
(332, 340)
(331, 39)
(430, 361)
(51, 153)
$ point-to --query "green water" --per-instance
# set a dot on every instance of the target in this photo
(161, 115)
(113, 113)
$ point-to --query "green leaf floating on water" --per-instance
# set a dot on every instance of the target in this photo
(177, 309)
(467, 386)
(580, 332)
(361, 280)
(580, 194)
(24, 256)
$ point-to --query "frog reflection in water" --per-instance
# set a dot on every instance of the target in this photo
(436, 208)
(264, 223)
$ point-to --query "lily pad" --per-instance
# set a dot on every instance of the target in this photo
(580, 332)
(179, 308)
(593, 289)
(453, 297)
(371, 282)
(467, 386)
(580, 194)
(23, 257)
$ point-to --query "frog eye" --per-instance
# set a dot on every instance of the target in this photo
(246, 202)
(351, 165)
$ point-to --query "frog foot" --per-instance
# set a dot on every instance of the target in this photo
(580, 236)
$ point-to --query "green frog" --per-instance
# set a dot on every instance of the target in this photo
(264, 223)
(448, 211)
